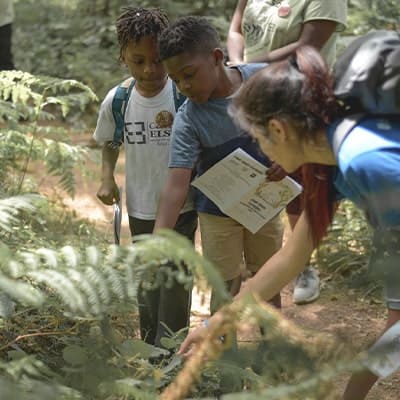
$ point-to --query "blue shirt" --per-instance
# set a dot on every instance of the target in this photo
(369, 169)
(203, 134)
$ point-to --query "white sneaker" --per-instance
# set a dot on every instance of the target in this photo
(306, 288)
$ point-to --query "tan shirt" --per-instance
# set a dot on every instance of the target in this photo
(265, 26)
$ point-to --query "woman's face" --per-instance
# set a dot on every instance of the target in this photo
(280, 143)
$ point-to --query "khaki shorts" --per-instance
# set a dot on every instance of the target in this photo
(228, 244)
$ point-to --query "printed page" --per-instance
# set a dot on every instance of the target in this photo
(260, 205)
(226, 182)
(237, 184)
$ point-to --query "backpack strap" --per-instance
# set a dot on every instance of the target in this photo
(343, 129)
(179, 98)
(118, 107)
(120, 101)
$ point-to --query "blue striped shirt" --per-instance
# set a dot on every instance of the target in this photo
(203, 134)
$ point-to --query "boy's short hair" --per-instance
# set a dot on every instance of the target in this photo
(188, 35)
(135, 23)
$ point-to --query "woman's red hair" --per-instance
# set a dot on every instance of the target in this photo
(299, 89)
(319, 198)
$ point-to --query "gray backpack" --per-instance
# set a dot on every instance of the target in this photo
(367, 80)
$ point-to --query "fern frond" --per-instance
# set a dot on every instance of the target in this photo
(68, 291)
(23, 87)
(60, 159)
(87, 284)
(27, 378)
(22, 292)
(8, 111)
(11, 206)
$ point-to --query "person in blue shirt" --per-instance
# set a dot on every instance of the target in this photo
(203, 134)
(291, 109)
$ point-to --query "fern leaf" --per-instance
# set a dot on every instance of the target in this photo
(10, 207)
(64, 288)
(88, 289)
(101, 284)
(21, 292)
(71, 256)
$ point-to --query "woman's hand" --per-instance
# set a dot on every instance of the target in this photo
(194, 337)
(209, 327)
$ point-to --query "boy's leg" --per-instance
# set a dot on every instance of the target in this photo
(148, 300)
(222, 244)
(6, 60)
(175, 302)
(261, 246)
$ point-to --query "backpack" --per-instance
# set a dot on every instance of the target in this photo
(118, 107)
(367, 80)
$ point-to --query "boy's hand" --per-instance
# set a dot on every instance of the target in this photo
(275, 172)
(108, 192)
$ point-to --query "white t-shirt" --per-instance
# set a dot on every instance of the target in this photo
(6, 12)
(146, 148)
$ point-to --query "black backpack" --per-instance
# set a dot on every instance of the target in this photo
(367, 80)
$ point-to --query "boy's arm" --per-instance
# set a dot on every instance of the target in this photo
(108, 192)
(173, 197)
(235, 40)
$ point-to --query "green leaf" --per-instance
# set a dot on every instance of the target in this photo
(140, 349)
(169, 343)
(75, 355)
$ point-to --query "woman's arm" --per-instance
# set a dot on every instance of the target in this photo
(277, 272)
(284, 265)
(314, 33)
(235, 40)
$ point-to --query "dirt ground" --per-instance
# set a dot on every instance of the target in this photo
(340, 310)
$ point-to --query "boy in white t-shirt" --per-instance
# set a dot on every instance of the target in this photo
(147, 127)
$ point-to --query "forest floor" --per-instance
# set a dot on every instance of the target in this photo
(339, 310)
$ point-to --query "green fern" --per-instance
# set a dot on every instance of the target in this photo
(11, 206)
(37, 98)
(27, 378)
(89, 284)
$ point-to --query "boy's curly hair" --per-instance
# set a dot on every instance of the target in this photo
(135, 23)
(188, 35)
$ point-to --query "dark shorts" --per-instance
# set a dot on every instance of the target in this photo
(165, 306)
(6, 60)
(186, 225)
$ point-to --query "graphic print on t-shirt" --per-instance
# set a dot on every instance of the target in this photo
(142, 132)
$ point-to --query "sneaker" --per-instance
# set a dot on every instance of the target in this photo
(306, 288)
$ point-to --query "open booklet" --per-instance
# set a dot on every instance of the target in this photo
(238, 186)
